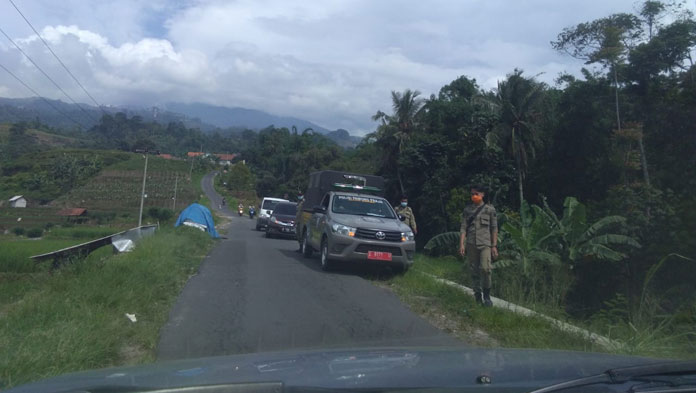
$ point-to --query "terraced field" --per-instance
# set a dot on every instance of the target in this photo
(115, 190)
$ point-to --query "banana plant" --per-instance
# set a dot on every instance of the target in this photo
(527, 238)
(580, 239)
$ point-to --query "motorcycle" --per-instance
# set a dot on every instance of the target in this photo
(240, 211)
(252, 213)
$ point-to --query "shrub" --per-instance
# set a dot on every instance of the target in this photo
(103, 217)
(34, 232)
(19, 231)
(49, 225)
(161, 214)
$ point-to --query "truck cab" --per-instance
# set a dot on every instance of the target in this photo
(353, 223)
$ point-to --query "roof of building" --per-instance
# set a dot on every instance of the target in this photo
(166, 156)
(14, 198)
(194, 153)
(77, 211)
(226, 157)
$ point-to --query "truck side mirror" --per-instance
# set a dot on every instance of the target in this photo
(319, 209)
(401, 217)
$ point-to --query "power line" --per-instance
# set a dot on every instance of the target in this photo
(56, 56)
(44, 99)
(46, 75)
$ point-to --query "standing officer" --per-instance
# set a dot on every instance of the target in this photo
(479, 240)
(300, 203)
(406, 211)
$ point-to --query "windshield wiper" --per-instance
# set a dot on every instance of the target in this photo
(665, 374)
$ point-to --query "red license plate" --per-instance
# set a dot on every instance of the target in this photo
(379, 255)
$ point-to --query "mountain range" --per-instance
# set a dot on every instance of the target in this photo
(207, 118)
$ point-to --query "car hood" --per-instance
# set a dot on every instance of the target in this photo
(514, 370)
(367, 222)
(284, 217)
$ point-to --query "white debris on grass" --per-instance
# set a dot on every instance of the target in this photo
(131, 317)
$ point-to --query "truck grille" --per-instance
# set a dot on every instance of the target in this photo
(364, 248)
(372, 235)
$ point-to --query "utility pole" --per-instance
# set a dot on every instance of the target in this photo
(176, 183)
(142, 194)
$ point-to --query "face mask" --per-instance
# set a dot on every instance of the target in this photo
(476, 199)
(404, 204)
(300, 198)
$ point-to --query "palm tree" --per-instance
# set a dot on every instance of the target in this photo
(396, 129)
(516, 101)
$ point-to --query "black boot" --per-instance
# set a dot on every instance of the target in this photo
(487, 297)
(477, 296)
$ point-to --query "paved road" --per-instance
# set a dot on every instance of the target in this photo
(254, 294)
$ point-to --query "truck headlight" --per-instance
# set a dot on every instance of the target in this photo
(343, 230)
(407, 236)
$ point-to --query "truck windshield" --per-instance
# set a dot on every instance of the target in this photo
(362, 206)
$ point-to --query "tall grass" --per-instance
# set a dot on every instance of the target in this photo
(14, 254)
(82, 233)
(74, 319)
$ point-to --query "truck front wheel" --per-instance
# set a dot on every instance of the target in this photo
(325, 262)
(306, 248)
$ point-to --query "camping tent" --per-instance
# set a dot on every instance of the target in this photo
(198, 214)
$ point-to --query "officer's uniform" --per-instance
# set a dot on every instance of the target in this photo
(408, 213)
(298, 235)
(479, 242)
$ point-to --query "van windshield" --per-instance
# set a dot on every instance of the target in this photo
(362, 206)
(269, 204)
(286, 209)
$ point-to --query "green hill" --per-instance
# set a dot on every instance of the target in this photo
(117, 188)
(43, 138)
(106, 183)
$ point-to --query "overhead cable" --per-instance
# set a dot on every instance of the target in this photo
(44, 99)
(56, 56)
(46, 75)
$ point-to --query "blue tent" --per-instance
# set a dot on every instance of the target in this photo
(198, 214)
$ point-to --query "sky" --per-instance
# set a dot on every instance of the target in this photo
(332, 62)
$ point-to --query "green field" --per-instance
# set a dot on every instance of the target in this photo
(111, 195)
(74, 318)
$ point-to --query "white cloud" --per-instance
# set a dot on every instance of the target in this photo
(332, 62)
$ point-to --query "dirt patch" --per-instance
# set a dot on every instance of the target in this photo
(131, 354)
(460, 327)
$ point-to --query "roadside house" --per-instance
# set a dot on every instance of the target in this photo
(18, 201)
(76, 215)
(226, 159)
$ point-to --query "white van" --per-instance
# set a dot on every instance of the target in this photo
(265, 211)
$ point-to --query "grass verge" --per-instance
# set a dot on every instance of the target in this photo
(74, 319)
(456, 312)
